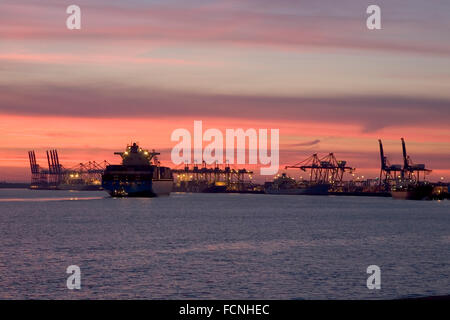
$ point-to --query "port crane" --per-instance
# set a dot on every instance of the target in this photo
(89, 172)
(410, 170)
(195, 177)
(326, 170)
(56, 174)
(388, 172)
(55, 169)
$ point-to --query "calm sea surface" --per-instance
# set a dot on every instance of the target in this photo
(221, 246)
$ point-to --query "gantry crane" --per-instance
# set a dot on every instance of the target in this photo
(410, 170)
(326, 170)
(57, 175)
(388, 172)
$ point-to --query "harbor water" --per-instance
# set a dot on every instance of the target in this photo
(221, 246)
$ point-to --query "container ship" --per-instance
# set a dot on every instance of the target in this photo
(287, 185)
(422, 191)
(139, 175)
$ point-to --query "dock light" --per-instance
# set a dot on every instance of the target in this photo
(126, 153)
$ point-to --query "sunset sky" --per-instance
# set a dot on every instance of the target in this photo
(137, 70)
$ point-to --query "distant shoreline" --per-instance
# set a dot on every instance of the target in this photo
(14, 185)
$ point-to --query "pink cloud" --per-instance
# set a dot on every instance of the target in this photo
(93, 58)
(215, 24)
(111, 101)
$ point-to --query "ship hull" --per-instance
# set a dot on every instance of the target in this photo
(79, 187)
(313, 190)
(215, 189)
(151, 188)
(418, 193)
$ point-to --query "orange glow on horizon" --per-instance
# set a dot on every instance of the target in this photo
(84, 139)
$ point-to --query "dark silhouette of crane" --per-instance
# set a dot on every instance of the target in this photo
(57, 174)
(326, 170)
(388, 172)
(410, 170)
